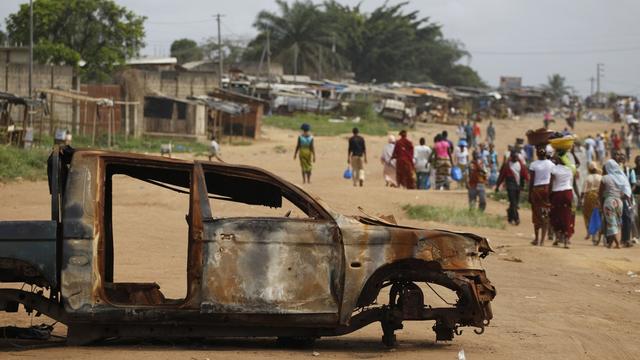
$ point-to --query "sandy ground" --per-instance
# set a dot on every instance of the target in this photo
(554, 304)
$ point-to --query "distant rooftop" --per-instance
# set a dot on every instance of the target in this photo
(152, 61)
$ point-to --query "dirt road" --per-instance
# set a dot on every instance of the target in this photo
(552, 303)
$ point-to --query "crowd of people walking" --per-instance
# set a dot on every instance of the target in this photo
(548, 177)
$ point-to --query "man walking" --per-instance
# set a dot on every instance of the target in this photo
(421, 156)
(357, 157)
(491, 133)
(477, 182)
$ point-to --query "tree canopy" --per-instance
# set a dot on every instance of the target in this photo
(556, 86)
(3, 37)
(99, 32)
(388, 44)
(186, 50)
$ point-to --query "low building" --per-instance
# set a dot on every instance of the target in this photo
(245, 124)
(14, 54)
(149, 63)
(166, 116)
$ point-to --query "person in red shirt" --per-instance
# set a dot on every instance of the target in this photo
(616, 142)
(403, 154)
(476, 134)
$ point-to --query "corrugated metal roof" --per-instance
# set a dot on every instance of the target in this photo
(153, 61)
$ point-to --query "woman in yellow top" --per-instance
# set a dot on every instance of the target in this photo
(305, 148)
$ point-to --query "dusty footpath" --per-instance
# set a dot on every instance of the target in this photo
(552, 303)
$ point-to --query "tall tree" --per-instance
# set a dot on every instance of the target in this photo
(298, 34)
(3, 38)
(233, 49)
(387, 44)
(556, 86)
(186, 50)
(100, 32)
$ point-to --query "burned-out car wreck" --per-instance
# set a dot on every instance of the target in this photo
(285, 277)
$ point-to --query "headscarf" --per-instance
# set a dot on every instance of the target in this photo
(387, 151)
(619, 178)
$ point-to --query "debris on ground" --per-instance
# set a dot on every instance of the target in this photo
(512, 259)
(461, 355)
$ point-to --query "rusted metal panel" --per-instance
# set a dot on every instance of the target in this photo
(278, 266)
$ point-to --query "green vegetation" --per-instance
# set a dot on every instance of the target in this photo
(320, 125)
(142, 145)
(26, 164)
(388, 44)
(449, 215)
(186, 50)
(99, 32)
(31, 164)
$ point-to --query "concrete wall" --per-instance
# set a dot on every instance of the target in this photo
(14, 78)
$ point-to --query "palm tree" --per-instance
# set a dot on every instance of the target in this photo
(556, 86)
(299, 36)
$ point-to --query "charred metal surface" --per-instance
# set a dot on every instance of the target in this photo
(28, 252)
(249, 276)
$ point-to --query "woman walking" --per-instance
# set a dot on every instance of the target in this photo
(514, 174)
(443, 161)
(305, 148)
(405, 169)
(539, 194)
(614, 189)
(591, 198)
(389, 163)
(562, 216)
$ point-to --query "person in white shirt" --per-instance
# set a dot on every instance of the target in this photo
(461, 158)
(539, 193)
(421, 155)
(590, 146)
(562, 216)
(214, 149)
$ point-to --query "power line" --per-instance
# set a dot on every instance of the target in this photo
(555, 52)
(178, 22)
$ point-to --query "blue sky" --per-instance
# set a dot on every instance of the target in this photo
(527, 38)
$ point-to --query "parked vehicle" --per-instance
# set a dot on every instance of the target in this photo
(316, 275)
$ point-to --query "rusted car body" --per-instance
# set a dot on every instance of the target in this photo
(246, 276)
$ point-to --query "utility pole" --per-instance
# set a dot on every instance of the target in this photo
(592, 80)
(320, 77)
(220, 54)
(599, 74)
(295, 62)
(269, 62)
(30, 59)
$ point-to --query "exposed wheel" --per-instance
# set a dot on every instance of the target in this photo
(389, 339)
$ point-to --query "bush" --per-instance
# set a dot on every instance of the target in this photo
(21, 163)
(321, 126)
(449, 215)
(142, 144)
